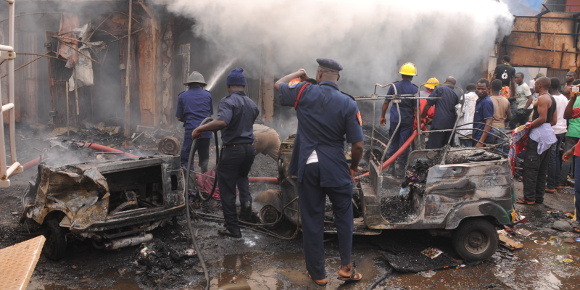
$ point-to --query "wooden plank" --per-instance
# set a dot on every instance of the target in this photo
(147, 58)
(17, 263)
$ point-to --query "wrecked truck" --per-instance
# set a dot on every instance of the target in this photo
(112, 203)
(462, 193)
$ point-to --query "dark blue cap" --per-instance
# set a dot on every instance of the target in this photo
(236, 78)
(329, 64)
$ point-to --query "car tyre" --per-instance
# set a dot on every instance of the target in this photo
(475, 240)
(55, 245)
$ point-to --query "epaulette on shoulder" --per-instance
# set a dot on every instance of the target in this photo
(312, 81)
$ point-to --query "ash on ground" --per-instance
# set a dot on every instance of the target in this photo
(160, 264)
(397, 209)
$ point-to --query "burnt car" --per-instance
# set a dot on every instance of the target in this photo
(113, 203)
(453, 191)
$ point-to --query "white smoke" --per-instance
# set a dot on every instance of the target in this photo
(370, 38)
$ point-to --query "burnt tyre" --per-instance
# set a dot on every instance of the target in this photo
(475, 240)
(55, 245)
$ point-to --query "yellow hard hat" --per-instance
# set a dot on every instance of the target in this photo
(408, 69)
(432, 83)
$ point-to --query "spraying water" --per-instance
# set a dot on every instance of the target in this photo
(218, 73)
(370, 38)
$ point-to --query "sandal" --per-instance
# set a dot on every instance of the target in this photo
(576, 230)
(550, 190)
(354, 277)
(523, 201)
(321, 282)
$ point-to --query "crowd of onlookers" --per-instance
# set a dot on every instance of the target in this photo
(542, 117)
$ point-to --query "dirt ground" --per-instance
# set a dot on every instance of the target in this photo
(550, 259)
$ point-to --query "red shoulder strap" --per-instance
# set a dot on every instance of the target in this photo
(300, 95)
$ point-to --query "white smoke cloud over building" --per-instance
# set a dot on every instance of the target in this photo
(370, 38)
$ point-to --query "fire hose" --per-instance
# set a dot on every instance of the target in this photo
(395, 155)
(93, 146)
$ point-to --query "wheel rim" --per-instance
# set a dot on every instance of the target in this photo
(476, 242)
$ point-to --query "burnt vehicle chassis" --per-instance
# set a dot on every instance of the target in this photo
(113, 203)
(459, 192)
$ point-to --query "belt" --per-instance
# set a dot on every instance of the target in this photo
(236, 145)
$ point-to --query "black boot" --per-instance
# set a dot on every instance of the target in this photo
(230, 233)
(246, 212)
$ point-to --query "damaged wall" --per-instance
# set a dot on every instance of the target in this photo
(550, 40)
(42, 29)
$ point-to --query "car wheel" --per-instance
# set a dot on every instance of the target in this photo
(55, 245)
(475, 240)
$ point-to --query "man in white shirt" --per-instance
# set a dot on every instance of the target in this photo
(520, 103)
(465, 113)
(560, 131)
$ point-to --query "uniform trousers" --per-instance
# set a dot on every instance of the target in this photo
(535, 167)
(437, 139)
(312, 208)
(201, 147)
(232, 170)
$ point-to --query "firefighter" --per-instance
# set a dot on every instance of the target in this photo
(236, 116)
(193, 106)
(407, 107)
(325, 115)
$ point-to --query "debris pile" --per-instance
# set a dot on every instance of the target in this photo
(162, 265)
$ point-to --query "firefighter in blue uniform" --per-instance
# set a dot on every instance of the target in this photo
(193, 106)
(408, 108)
(236, 116)
(325, 115)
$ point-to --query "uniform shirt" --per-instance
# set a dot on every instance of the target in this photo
(325, 115)
(468, 108)
(501, 106)
(407, 107)
(193, 106)
(504, 73)
(483, 111)
(445, 114)
(239, 112)
(522, 93)
(561, 103)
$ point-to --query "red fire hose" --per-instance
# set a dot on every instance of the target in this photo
(103, 148)
(93, 146)
(397, 154)
(273, 180)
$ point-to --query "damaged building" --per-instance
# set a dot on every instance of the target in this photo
(119, 62)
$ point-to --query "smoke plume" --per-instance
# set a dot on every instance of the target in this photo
(370, 38)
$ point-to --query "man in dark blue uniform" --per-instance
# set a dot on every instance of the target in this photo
(325, 115)
(407, 108)
(193, 106)
(483, 114)
(236, 116)
(444, 100)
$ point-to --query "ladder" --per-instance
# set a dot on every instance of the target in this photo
(8, 55)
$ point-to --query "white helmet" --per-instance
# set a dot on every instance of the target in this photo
(195, 77)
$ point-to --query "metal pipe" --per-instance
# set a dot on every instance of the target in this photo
(14, 168)
(7, 107)
(128, 242)
(11, 88)
(6, 47)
